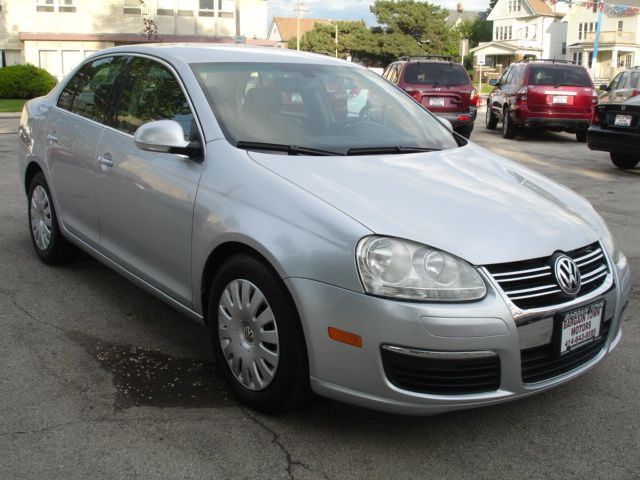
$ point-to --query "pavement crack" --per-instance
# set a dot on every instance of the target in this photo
(276, 440)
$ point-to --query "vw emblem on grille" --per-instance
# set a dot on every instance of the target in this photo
(567, 274)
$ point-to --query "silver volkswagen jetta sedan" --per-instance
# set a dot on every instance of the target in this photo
(333, 235)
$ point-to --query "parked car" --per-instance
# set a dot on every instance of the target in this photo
(406, 270)
(548, 94)
(624, 86)
(439, 85)
(616, 129)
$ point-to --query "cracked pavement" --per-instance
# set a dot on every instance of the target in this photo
(100, 380)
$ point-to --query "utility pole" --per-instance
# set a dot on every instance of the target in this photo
(298, 15)
(336, 38)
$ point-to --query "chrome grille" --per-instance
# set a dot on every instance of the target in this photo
(532, 284)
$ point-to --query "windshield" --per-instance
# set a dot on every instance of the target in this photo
(332, 108)
(436, 74)
(559, 75)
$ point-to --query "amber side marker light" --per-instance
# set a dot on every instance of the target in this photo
(345, 337)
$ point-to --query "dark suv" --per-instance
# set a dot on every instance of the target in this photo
(549, 94)
(441, 86)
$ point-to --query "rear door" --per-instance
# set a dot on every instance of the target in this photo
(560, 90)
(73, 130)
(145, 199)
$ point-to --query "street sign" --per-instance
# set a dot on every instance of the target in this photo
(481, 60)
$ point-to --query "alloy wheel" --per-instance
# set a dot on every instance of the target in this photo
(40, 213)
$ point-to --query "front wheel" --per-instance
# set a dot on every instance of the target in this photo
(257, 336)
(624, 162)
(46, 237)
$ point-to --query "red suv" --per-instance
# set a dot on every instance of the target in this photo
(440, 85)
(549, 94)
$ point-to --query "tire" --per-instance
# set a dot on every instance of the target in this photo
(581, 136)
(257, 336)
(491, 121)
(46, 237)
(625, 162)
(509, 129)
(464, 131)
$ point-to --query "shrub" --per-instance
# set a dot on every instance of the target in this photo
(25, 81)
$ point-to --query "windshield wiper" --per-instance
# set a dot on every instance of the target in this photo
(394, 149)
(289, 149)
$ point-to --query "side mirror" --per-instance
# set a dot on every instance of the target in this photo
(604, 88)
(493, 82)
(165, 136)
(447, 124)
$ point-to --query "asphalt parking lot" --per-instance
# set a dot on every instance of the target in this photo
(100, 380)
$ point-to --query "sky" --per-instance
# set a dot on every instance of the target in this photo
(351, 9)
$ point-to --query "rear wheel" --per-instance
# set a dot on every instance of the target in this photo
(624, 162)
(47, 240)
(490, 119)
(508, 127)
(464, 131)
(581, 136)
(257, 336)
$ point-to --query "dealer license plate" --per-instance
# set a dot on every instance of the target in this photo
(623, 120)
(560, 99)
(436, 102)
(580, 327)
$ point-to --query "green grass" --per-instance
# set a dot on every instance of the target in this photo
(11, 105)
(486, 88)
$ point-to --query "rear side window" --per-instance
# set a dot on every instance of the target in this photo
(151, 92)
(558, 75)
(434, 73)
(90, 92)
(635, 80)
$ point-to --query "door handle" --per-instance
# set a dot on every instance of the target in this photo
(51, 137)
(105, 160)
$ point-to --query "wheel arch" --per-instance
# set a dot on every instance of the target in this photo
(216, 259)
(32, 169)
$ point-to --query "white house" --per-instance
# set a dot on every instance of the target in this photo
(524, 29)
(619, 46)
(58, 34)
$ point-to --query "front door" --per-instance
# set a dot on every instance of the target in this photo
(146, 199)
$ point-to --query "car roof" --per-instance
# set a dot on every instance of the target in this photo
(210, 52)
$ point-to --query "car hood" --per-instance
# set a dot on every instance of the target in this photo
(466, 201)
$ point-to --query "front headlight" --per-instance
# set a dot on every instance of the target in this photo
(610, 244)
(391, 267)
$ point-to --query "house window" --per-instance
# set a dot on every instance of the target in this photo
(206, 8)
(510, 32)
(590, 59)
(166, 7)
(620, 25)
(496, 34)
(519, 5)
(227, 8)
(44, 6)
(186, 8)
(577, 58)
(579, 32)
(132, 7)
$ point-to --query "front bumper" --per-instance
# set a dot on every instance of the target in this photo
(357, 375)
(616, 141)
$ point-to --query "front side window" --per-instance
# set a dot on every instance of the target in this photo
(151, 92)
(90, 91)
(338, 109)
